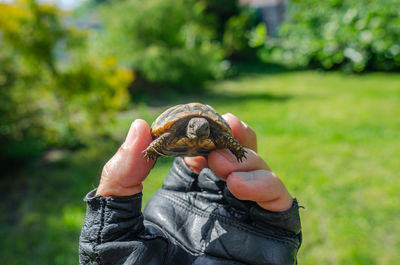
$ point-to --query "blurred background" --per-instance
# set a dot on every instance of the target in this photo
(317, 80)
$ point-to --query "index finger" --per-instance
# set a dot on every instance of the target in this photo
(241, 131)
(223, 162)
(251, 180)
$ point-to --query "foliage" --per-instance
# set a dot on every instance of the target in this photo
(180, 53)
(237, 34)
(51, 92)
(219, 13)
(164, 40)
(353, 35)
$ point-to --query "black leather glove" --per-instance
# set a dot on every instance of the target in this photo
(193, 219)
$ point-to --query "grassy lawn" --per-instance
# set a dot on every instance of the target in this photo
(332, 138)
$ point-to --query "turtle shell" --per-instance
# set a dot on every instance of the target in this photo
(164, 122)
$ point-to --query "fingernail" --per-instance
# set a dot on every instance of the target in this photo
(242, 175)
(250, 176)
(130, 138)
(226, 115)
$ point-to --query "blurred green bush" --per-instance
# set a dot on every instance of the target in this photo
(354, 35)
(238, 34)
(233, 24)
(52, 92)
(174, 43)
(163, 40)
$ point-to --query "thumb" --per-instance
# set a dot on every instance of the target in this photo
(251, 180)
(124, 173)
(261, 186)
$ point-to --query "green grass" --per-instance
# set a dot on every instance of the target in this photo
(332, 138)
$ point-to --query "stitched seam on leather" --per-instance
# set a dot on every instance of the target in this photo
(169, 236)
(286, 213)
(99, 239)
(216, 258)
(179, 202)
(164, 237)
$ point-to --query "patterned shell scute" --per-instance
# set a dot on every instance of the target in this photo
(173, 114)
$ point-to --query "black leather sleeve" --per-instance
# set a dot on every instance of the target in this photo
(114, 233)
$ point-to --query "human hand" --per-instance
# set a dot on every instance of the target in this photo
(124, 173)
(250, 180)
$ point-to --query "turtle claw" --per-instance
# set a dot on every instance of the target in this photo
(149, 154)
(226, 140)
(241, 155)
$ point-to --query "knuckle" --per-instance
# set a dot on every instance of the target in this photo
(106, 170)
(112, 164)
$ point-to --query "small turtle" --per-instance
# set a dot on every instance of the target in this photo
(190, 130)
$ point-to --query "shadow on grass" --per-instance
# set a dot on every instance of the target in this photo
(233, 98)
(156, 95)
(211, 97)
(247, 69)
(254, 68)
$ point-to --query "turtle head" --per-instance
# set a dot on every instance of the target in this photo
(198, 128)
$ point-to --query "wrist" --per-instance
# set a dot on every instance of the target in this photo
(106, 190)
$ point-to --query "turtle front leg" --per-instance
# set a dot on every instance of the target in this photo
(225, 140)
(156, 147)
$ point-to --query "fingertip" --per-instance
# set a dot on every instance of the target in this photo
(143, 130)
(141, 141)
(196, 164)
(142, 125)
(138, 134)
